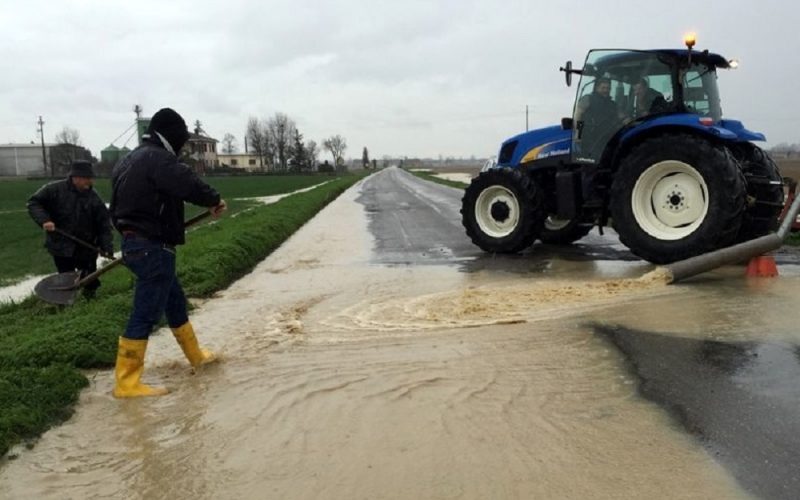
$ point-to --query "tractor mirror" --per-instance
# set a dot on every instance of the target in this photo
(567, 69)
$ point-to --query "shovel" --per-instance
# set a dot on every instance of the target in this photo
(63, 288)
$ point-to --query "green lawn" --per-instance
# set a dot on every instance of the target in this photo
(430, 176)
(22, 251)
(42, 347)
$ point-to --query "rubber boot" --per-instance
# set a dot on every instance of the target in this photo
(185, 336)
(128, 372)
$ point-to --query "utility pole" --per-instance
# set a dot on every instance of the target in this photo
(138, 110)
(44, 154)
(526, 118)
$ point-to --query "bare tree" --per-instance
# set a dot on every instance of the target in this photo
(256, 138)
(336, 145)
(281, 129)
(229, 144)
(68, 148)
(69, 136)
(312, 152)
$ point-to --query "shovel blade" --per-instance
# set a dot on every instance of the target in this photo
(59, 289)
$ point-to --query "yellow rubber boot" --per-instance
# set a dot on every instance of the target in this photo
(185, 336)
(128, 372)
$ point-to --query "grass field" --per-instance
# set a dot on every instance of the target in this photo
(431, 176)
(43, 347)
(22, 251)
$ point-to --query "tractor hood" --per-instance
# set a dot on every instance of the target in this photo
(535, 145)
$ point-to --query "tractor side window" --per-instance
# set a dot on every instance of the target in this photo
(598, 114)
(700, 94)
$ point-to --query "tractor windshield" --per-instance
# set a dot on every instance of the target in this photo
(700, 92)
(618, 87)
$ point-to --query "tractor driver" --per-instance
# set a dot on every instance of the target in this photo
(598, 118)
(646, 100)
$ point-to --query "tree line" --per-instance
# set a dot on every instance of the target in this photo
(276, 142)
(280, 147)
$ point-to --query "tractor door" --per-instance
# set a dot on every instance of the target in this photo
(600, 105)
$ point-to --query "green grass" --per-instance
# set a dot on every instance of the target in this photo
(42, 347)
(22, 251)
(429, 176)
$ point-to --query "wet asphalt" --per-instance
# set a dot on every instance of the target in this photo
(740, 400)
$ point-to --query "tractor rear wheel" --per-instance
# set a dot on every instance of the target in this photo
(677, 196)
(503, 211)
(764, 191)
(563, 231)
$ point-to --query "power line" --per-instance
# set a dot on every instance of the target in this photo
(126, 131)
(129, 138)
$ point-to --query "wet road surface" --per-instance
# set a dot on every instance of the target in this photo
(378, 354)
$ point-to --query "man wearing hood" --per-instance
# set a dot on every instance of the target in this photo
(72, 205)
(149, 188)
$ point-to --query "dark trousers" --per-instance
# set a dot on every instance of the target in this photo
(85, 262)
(158, 291)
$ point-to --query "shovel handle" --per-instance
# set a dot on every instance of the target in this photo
(197, 218)
(79, 241)
(114, 263)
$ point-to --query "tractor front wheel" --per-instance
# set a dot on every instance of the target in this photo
(502, 211)
(677, 196)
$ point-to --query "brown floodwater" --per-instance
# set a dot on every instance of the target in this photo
(341, 378)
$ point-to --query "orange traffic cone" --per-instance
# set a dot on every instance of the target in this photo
(762, 266)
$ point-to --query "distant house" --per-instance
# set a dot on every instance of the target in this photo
(62, 156)
(246, 161)
(202, 149)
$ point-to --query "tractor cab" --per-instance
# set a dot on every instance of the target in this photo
(621, 89)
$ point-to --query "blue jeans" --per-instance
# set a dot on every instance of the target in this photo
(157, 288)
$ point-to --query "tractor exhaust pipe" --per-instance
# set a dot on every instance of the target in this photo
(683, 269)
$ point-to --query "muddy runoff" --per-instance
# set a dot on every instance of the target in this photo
(345, 379)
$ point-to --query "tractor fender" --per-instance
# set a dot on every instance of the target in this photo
(741, 132)
(687, 124)
(682, 121)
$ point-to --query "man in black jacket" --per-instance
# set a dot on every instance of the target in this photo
(149, 188)
(73, 206)
(598, 118)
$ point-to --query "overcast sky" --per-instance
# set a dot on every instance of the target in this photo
(414, 78)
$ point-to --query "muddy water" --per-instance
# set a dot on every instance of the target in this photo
(345, 379)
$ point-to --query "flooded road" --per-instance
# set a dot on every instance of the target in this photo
(379, 354)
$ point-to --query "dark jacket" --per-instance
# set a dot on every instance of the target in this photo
(80, 213)
(149, 186)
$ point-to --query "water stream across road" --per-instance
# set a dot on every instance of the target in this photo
(361, 362)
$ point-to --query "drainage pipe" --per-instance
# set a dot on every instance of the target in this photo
(692, 266)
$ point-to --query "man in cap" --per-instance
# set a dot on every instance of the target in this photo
(72, 205)
(149, 188)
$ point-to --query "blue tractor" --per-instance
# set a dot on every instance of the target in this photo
(646, 151)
